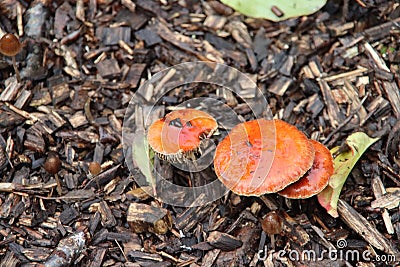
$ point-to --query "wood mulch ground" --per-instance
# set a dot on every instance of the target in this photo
(331, 74)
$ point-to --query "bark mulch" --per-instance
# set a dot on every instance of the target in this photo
(331, 74)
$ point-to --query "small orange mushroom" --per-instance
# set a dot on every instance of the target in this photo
(177, 136)
(242, 160)
(316, 179)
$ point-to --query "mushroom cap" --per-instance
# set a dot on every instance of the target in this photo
(262, 156)
(180, 132)
(316, 179)
(9, 45)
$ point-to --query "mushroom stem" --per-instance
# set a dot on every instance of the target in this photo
(14, 62)
(59, 189)
(272, 238)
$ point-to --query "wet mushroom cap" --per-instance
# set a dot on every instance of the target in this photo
(10, 45)
(180, 132)
(262, 156)
(316, 179)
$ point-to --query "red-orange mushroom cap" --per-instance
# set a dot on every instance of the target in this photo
(316, 179)
(242, 160)
(178, 135)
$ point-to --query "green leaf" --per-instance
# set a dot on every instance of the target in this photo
(143, 156)
(344, 163)
(262, 8)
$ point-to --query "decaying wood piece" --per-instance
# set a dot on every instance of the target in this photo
(142, 218)
(174, 38)
(334, 113)
(293, 230)
(248, 234)
(364, 228)
(107, 217)
(68, 249)
(280, 86)
(388, 200)
(11, 187)
(210, 257)
(391, 88)
(379, 190)
(191, 216)
(223, 241)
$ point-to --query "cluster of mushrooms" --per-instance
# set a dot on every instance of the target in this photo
(257, 157)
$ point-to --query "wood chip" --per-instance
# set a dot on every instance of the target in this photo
(223, 241)
(78, 119)
(364, 228)
(111, 36)
(142, 218)
(280, 86)
(335, 115)
(109, 69)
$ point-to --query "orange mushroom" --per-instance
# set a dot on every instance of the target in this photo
(242, 160)
(316, 179)
(177, 136)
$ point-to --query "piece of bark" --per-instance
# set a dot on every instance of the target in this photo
(280, 85)
(364, 228)
(35, 19)
(109, 68)
(129, 5)
(389, 200)
(59, 93)
(223, 241)
(68, 215)
(67, 250)
(142, 218)
(174, 38)
(350, 74)
(107, 217)
(209, 259)
(98, 256)
(111, 36)
(391, 89)
(12, 89)
(34, 141)
(334, 113)
(78, 119)
(135, 74)
(215, 22)
(252, 59)
(315, 105)
(37, 254)
(10, 260)
(293, 230)
(379, 190)
(339, 29)
(139, 255)
(248, 234)
(191, 216)
(287, 66)
(149, 37)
